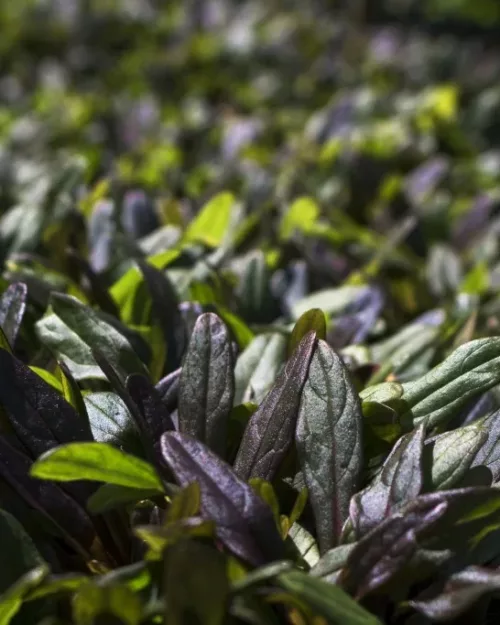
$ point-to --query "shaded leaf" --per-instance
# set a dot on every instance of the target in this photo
(11, 600)
(39, 415)
(328, 601)
(150, 404)
(92, 601)
(188, 566)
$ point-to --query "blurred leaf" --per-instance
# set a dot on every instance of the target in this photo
(311, 320)
(212, 221)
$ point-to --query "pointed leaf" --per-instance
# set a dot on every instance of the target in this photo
(329, 444)
(460, 593)
(382, 553)
(207, 383)
(245, 524)
(12, 308)
(166, 311)
(11, 600)
(400, 481)
(269, 433)
(212, 221)
(39, 415)
(96, 461)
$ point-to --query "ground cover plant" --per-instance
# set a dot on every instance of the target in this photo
(249, 313)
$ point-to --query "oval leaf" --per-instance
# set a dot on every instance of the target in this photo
(329, 442)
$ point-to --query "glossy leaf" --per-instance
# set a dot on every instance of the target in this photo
(382, 553)
(207, 383)
(312, 320)
(269, 432)
(245, 524)
(12, 309)
(400, 481)
(451, 454)
(473, 368)
(93, 332)
(329, 442)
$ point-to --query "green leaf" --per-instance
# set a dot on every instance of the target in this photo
(329, 443)
(189, 565)
(110, 496)
(92, 601)
(207, 383)
(49, 378)
(332, 302)
(471, 369)
(305, 543)
(92, 332)
(451, 454)
(311, 320)
(258, 366)
(12, 599)
(111, 421)
(328, 601)
(96, 461)
(301, 216)
(18, 550)
(212, 222)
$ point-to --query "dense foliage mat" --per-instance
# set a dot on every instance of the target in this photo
(249, 314)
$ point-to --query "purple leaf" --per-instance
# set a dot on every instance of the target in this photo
(245, 524)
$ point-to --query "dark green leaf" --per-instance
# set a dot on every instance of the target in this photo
(328, 601)
(110, 496)
(328, 437)
(189, 565)
(18, 550)
(207, 383)
(269, 433)
(450, 455)
(489, 453)
(471, 369)
(166, 311)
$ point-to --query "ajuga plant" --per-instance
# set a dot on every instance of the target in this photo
(249, 315)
